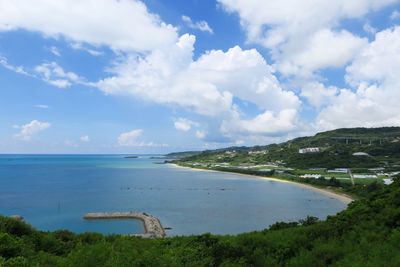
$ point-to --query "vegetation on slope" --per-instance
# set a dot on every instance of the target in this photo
(366, 234)
(337, 148)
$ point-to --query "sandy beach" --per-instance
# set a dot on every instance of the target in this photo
(346, 199)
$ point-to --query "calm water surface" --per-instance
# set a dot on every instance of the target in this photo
(55, 191)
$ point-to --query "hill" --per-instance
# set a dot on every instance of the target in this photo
(341, 148)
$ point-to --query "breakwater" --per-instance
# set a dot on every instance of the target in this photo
(152, 225)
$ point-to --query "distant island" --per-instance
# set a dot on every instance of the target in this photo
(131, 157)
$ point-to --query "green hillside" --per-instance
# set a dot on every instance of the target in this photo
(366, 234)
(336, 151)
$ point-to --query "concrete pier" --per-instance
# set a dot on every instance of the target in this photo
(152, 225)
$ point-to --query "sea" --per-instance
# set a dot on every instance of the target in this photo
(54, 192)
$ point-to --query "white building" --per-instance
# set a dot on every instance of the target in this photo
(315, 176)
(364, 176)
(309, 150)
(360, 154)
(338, 170)
(387, 181)
(257, 152)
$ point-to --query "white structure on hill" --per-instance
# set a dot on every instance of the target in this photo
(309, 150)
(360, 154)
(387, 181)
(315, 176)
(339, 170)
(364, 176)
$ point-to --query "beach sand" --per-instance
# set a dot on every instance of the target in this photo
(346, 199)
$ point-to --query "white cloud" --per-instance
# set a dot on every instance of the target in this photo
(132, 139)
(85, 138)
(199, 25)
(201, 134)
(29, 129)
(53, 74)
(79, 46)
(205, 86)
(54, 50)
(373, 75)
(50, 73)
(369, 29)
(124, 25)
(183, 124)
(129, 138)
(152, 63)
(317, 94)
(17, 69)
(295, 29)
(372, 64)
(395, 15)
(41, 106)
(322, 50)
(267, 123)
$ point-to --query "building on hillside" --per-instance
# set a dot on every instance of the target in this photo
(364, 176)
(257, 152)
(315, 176)
(338, 170)
(387, 181)
(362, 154)
(309, 150)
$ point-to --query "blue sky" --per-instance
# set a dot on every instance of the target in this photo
(156, 76)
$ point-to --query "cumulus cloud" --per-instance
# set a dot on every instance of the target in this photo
(121, 25)
(323, 49)
(199, 25)
(317, 94)
(373, 97)
(30, 129)
(206, 85)
(152, 62)
(267, 123)
(294, 29)
(184, 125)
(131, 139)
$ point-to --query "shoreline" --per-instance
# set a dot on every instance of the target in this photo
(344, 198)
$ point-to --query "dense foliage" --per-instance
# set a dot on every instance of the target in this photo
(366, 234)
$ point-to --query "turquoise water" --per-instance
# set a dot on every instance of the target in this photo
(55, 191)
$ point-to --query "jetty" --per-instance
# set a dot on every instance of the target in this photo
(152, 225)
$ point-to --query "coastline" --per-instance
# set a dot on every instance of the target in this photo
(344, 198)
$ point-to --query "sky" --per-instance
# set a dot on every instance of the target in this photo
(156, 76)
